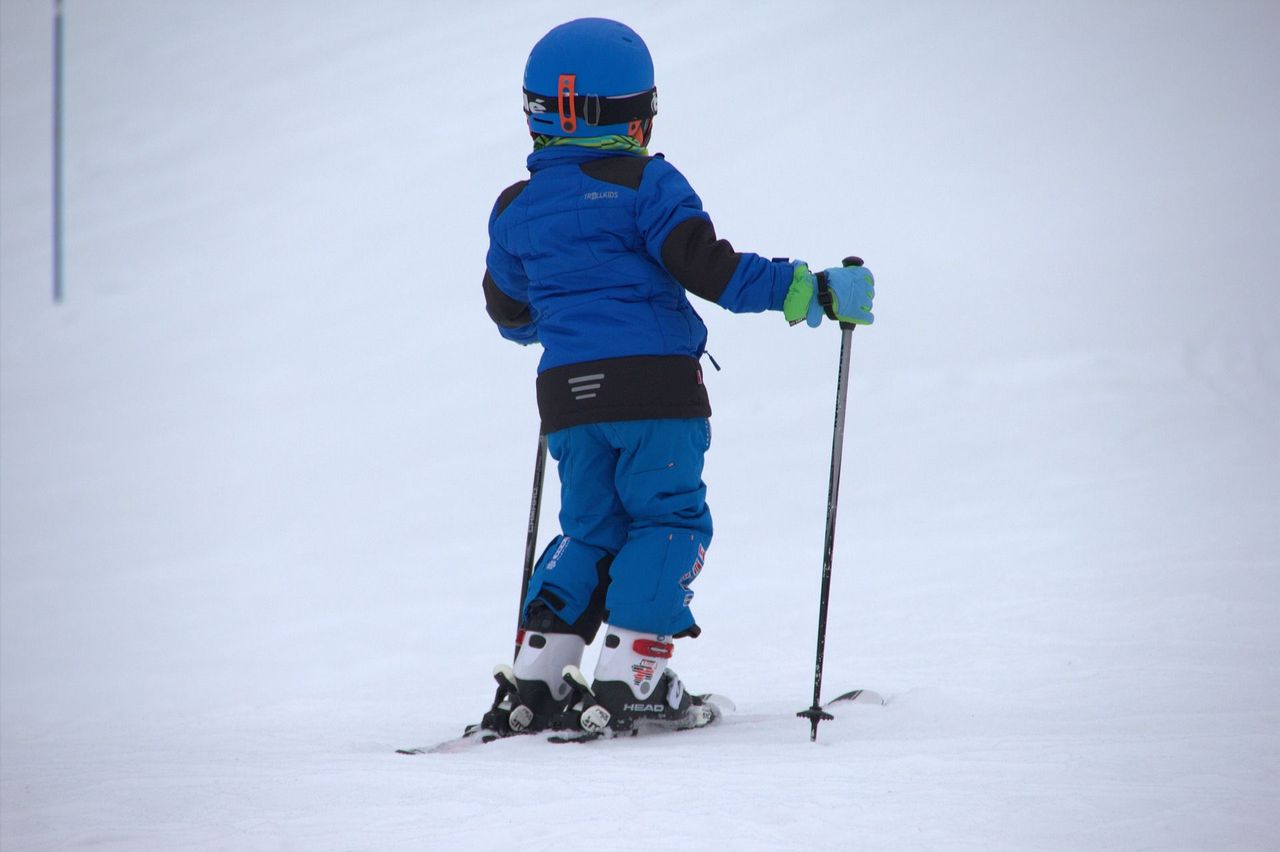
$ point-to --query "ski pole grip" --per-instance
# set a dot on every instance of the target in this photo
(851, 260)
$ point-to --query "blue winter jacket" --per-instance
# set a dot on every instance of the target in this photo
(593, 255)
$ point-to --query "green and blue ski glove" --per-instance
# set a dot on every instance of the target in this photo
(801, 301)
(852, 289)
(843, 293)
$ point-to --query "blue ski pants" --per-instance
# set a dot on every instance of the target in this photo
(631, 498)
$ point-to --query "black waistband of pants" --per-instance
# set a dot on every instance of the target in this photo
(637, 387)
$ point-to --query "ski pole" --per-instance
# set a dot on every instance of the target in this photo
(815, 713)
(530, 545)
(57, 150)
(531, 539)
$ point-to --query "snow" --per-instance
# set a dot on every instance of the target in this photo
(266, 470)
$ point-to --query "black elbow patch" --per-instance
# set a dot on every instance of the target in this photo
(701, 263)
(508, 195)
(504, 310)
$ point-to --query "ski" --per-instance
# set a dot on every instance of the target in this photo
(486, 730)
(720, 706)
(474, 735)
(860, 696)
(706, 710)
(710, 708)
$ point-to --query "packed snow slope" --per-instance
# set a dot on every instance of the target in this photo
(265, 471)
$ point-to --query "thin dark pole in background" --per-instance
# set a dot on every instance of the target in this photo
(57, 151)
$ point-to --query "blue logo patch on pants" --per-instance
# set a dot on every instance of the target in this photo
(632, 490)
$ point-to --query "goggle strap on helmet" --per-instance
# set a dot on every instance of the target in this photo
(565, 93)
(594, 110)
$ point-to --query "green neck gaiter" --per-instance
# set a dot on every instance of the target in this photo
(599, 143)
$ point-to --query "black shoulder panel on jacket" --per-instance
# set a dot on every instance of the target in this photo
(702, 264)
(509, 195)
(504, 310)
(623, 171)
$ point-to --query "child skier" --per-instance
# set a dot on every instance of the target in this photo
(591, 257)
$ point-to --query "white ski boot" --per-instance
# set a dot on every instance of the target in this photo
(539, 677)
(533, 693)
(633, 687)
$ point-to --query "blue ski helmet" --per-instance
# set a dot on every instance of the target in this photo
(590, 77)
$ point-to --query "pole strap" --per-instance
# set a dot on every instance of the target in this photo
(824, 295)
